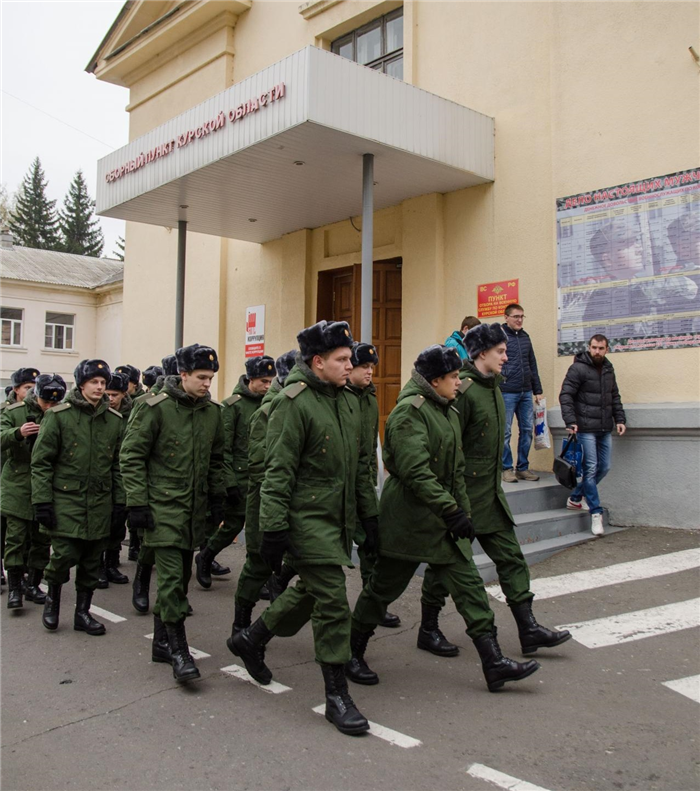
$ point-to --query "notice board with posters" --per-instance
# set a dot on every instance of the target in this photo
(493, 298)
(628, 265)
(255, 331)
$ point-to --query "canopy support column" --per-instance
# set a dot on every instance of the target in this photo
(367, 247)
(180, 284)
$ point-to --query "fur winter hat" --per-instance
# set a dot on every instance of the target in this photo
(50, 387)
(363, 353)
(118, 382)
(8, 390)
(196, 358)
(323, 337)
(169, 364)
(284, 364)
(23, 375)
(89, 369)
(436, 361)
(131, 371)
(150, 375)
(484, 337)
(257, 367)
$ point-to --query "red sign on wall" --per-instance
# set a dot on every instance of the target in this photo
(492, 298)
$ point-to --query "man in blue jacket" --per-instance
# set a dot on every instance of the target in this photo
(456, 340)
(522, 381)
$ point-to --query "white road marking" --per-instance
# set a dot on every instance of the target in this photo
(636, 625)
(387, 734)
(106, 614)
(690, 687)
(500, 779)
(240, 672)
(656, 566)
(193, 651)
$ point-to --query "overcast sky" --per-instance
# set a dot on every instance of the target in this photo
(46, 45)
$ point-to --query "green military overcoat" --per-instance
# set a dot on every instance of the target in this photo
(316, 473)
(369, 416)
(75, 465)
(423, 454)
(172, 461)
(482, 417)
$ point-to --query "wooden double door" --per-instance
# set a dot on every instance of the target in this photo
(339, 292)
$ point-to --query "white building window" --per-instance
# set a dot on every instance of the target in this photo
(11, 326)
(379, 44)
(59, 331)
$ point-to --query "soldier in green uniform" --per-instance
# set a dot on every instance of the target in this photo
(316, 479)
(77, 489)
(172, 463)
(135, 387)
(26, 546)
(238, 409)
(120, 400)
(255, 570)
(150, 376)
(424, 517)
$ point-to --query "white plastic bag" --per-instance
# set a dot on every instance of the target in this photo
(542, 441)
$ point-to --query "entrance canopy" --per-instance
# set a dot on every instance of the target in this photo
(282, 150)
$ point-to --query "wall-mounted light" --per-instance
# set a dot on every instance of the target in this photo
(184, 206)
(252, 219)
(299, 162)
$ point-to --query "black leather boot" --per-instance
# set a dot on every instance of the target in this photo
(52, 608)
(241, 617)
(265, 593)
(249, 645)
(134, 545)
(278, 583)
(161, 645)
(33, 591)
(357, 669)
(184, 668)
(498, 668)
(430, 638)
(141, 587)
(113, 573)
(340, 707)
(103, 581)
(391, 621)
(203, 562)
(532, 635)
(217, 570)
(14, 588)
(82, 620)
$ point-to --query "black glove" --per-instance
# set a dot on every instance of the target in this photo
(216, 508)
(141, 518)
(371, 528)
(234, 495)
(45, 515)
(273, 546)
(118, 517)
(459, 525)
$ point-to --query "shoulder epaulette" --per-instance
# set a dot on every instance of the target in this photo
(265, 408)
(114, 412)
(3, 406)
(455, 408)
(156, 399)
(232, 399)
(418, 401)
(15, 405)
(145, 397)
(61, 407)
(293, 390)
(215, 403)
(465, 385)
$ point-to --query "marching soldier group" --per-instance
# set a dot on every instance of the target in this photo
(291, 457)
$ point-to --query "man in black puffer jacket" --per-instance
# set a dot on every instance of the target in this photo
(591, 407)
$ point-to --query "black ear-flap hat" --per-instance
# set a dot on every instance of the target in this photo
(363, 353)
(131, 371)
(169, 364)
(484, 337)
(257, 367)
(50, 387)
(89, 369)
(119, 381)
(196, 358)
(24, 375)
(436, 361)
(324, 337)
(150, 375)
(284, 364)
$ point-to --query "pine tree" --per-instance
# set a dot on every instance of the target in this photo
(80, 231)
(33, 221)
(118, 253)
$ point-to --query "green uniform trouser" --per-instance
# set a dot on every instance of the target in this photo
(513, 573)
(147, 555)
(391, 577)
(319, 595)
(254, 574)
(231, 526)
(116, 536)
(174, 569)
(84, 555)
(25, 545)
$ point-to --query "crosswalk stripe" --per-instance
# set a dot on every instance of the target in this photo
(106, 614)
(689, 686)
(387, 734)
(636, 625)
(240, 672)
(193, 651)
(500, 779)
(577, 581)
